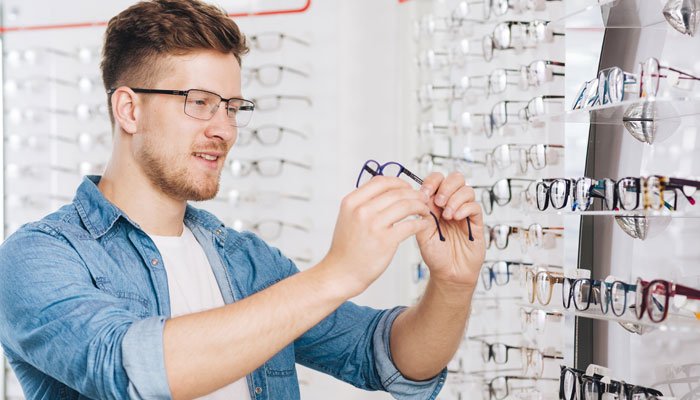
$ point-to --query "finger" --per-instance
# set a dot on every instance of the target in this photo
(376, 186)
(463, 195)
(451, 184)
(402, 210)
(471, 210)
(431, 183)
(410, 227)
(393, 196)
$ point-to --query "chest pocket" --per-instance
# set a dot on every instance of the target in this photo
(133, 302)
(281, 364)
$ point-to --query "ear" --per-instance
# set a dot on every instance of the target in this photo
(125, 106)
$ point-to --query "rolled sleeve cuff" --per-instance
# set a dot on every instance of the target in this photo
(144, 360)
(393, 381)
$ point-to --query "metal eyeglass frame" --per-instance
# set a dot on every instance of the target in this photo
(248, 105)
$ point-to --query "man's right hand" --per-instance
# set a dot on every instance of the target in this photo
(370, 227)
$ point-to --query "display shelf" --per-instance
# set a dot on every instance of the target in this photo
(587, 14)
(639, 213)
(651, 110)
(673, 323)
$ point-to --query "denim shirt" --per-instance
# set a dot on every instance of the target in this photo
(84, 298)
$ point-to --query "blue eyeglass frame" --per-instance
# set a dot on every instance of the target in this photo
(374, 168)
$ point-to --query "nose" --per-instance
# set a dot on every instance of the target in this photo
(220, 125)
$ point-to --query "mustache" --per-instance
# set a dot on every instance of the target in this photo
(212, 147)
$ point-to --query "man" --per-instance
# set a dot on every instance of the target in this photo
(128, 292)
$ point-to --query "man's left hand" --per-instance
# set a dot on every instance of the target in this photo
(457, 260)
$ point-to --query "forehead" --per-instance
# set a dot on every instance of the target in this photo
(206, 69)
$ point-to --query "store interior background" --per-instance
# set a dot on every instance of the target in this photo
(362, 84)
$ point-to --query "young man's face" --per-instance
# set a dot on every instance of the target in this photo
(175, 150)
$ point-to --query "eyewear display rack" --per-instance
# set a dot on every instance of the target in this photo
(628, 136)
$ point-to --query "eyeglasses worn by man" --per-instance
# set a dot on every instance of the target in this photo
(129, 292)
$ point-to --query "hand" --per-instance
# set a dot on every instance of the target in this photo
(371, 224)
(456, 260)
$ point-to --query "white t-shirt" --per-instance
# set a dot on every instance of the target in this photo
(192, 288)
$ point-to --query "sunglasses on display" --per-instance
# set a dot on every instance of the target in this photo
(273, 41)
(269, 74)
(372, 168)
(266, 167)
(267, 135)
(654, 192)
(575, 384)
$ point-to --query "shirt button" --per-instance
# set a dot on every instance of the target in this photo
(154, 262)
(258, 390)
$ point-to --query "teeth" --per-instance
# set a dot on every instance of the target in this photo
(207, 157)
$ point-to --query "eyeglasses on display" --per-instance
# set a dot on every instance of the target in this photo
(499, 387)
(654, 192)
(267, 198)
(498, 118)
(538, 107)
(610, 85)
(269, 74)
(429, 160)
(536, 320)
(514, 35)
(267, 167)
(499, 235)
(498, 272)
(538, 156)
(540, 284)
(500, 193)
(575, 384)
(373, 168)
(268, 229)
(34, 56)
(202, 104)
(267, 135)
(38, 84)
(540, 72)
(274, 101)
(273, 41)
(654, 298)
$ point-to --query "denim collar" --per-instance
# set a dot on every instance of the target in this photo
(99, 214)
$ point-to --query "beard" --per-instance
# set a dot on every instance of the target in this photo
(172, 176)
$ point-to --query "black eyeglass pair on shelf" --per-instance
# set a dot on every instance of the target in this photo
(653, 192)
(574, 384)
(373, 168)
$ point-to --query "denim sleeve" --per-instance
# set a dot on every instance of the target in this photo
(393, 381)
(53, 317)
(352, 344)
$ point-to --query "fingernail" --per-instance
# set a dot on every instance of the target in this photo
(440, 200)
(447, 213)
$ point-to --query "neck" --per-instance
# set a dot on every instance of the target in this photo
(128, 188)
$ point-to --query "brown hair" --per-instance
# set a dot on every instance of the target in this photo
(137, 37)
